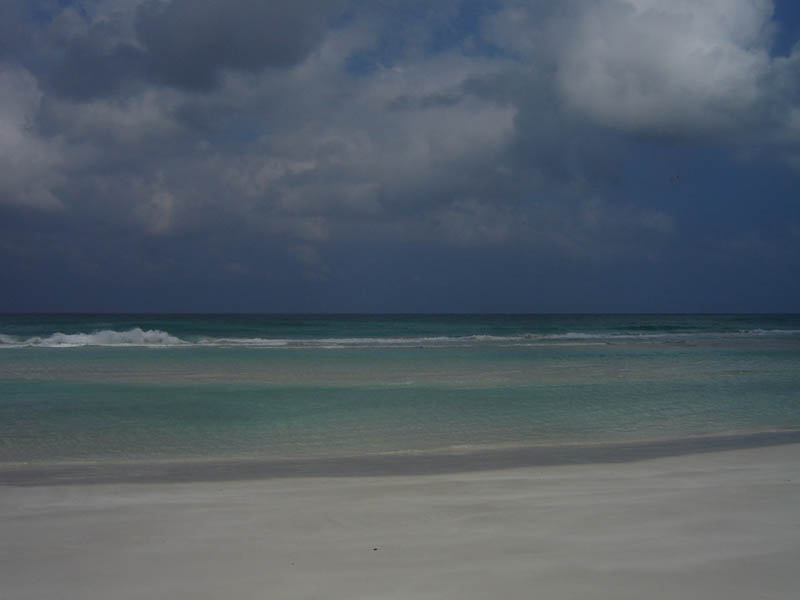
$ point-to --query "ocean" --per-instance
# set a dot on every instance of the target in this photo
(81, 389)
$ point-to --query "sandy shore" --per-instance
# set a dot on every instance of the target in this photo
(714, 525)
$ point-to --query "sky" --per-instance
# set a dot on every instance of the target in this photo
(399, 156)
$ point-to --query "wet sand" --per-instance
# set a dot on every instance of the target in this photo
(718, 524)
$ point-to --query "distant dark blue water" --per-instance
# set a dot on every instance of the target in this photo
(111, 387)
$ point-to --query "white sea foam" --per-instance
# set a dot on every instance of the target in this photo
(158, 338)
(7, 339)
(770, 332)
(106, 337)
(257, 342)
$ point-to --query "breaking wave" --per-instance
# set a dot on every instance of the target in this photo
(131, 337)
(157, 338)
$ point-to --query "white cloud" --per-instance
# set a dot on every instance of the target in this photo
(157, 212)
(447, 146)
(28, 163)
(118, 123)
(683, 67)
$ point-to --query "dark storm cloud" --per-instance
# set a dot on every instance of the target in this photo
(189, 42)
(182, 43)
(87, 69)
(302, 143)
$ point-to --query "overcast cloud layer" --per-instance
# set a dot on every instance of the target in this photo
(312, 155)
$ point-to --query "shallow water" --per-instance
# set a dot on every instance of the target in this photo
(111, 387)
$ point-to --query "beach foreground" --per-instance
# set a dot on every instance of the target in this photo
(713, 525)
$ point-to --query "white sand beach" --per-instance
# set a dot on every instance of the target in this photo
(714, 525)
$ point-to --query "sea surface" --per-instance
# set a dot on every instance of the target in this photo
(270, 387)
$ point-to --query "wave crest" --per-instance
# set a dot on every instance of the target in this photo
(106, 337)
(157, 338)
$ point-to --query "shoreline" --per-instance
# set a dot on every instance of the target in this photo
(378, 465)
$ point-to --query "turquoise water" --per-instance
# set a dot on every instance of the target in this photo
(110, 387)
